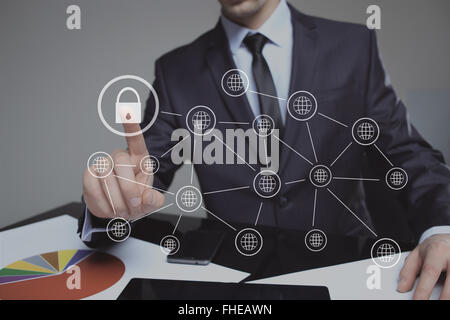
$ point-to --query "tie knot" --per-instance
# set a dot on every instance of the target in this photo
(255, 43)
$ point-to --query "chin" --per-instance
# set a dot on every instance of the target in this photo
(241, 8)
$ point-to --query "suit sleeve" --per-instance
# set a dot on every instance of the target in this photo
(158, 141)
(426, 197)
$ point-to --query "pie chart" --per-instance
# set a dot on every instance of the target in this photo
(60, 275)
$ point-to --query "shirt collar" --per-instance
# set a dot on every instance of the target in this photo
(278, 28)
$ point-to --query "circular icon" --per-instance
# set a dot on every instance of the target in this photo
(118, 229)
(302, 105)
(188, 198)
(153, 94)
(248, 242)
(235, 82)
(169, 245)
(316, 240)
(149, 165)
(320, 176)
(396, 178)
(267, 184)
(385, 253)
(263, 125)
(201, 120)
(365, 131)
(100, 164)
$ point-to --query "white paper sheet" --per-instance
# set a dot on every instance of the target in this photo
(141, 259)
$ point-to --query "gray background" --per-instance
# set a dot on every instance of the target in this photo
(50, 78)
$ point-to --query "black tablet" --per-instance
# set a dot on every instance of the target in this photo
(157, 289)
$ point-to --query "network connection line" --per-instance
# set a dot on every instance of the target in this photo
(221, 220)
(172, 113)
(340, 154)
(346, 207)
(221, 141)
(151, 212)
(356, 178)
(192, 164)
(259, 212)
(293, 150)
(312, 143)
(226, 190)
(187, 136)
(267, 95)
(314, 207)
(176, 225)
(109, 197)
(233, 122)
(125, 165)
(383, 155)
(295, 181)
(143, 184)
(334, 120)
(265, 151)
(192, 172)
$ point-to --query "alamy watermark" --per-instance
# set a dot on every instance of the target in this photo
(374, 19)
(238, 146)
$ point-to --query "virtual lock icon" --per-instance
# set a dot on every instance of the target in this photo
(128, 112)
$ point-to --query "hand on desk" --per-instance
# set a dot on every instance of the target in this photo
(131, 196)
(430, 258)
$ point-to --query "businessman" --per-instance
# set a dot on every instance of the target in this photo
(282, 51)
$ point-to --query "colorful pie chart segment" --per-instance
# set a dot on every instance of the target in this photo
(53, 275)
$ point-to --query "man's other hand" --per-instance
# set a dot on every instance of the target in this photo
(430, 259)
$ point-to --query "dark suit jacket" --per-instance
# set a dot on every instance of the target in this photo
(340, 64)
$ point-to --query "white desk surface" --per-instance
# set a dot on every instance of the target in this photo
(145, 260)
(348, 281)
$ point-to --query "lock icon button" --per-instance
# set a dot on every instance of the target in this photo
(128, 112)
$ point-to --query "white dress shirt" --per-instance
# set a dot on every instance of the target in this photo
(277, 52)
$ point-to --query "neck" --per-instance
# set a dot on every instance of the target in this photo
(257, 19)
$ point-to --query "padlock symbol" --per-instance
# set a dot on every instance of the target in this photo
(128, 112)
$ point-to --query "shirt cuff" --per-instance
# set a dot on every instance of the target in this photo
(433, 231)
(86, 233)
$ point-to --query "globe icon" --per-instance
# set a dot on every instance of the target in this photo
(235, 82)
(396, 178)
(189, 198)
(320, 176)
(201, 120)
(170, 244)
(267, 184)
(365, 131)
(386, 252)
(249, 241)
(100, 164)
(118, 229)
(316, 240)
(149, 165)
(302, 105)
(264, 125)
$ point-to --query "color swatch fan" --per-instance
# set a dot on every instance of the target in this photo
(50, 275)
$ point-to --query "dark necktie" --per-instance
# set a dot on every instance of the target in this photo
(263, 79)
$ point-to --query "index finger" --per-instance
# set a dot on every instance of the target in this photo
(136, 143)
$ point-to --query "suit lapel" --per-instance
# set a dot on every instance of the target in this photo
(304, 60)
(219, 61)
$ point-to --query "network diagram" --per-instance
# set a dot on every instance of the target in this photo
(201, 120)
